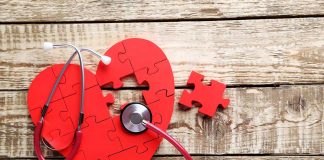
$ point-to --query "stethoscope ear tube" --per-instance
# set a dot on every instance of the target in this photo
(166, 136)
(39, 126)
(77, 142)
(37, 137)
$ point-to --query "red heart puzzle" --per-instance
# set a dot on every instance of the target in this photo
(103, 135)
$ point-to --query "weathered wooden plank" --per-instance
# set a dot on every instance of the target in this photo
(235, 52)
(101, 10)
(283, 120)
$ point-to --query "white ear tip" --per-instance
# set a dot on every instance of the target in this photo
(106, 60)
(48, 45)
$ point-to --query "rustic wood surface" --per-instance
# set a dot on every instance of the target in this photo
(286, 119)
(270, 53)
(121, 10)
(285, 51)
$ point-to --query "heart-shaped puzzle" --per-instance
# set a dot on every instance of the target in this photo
(103, 135)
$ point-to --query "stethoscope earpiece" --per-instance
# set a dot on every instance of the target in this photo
(104, 59)
(48, 45)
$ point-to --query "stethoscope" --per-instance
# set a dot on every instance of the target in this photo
(135, 117)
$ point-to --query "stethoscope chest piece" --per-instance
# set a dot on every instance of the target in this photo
(133, 115)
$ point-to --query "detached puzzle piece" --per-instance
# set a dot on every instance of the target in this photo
(141, 54)
(159, 80)
(209, 97)
(116, 70)
(72, 78)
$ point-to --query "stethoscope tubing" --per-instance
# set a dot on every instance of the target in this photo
(169, 138)
(78, 134)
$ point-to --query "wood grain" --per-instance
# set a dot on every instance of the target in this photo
(101, 10)
(284, 120)
(281, 51)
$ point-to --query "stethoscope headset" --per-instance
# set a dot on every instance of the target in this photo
(135, 117)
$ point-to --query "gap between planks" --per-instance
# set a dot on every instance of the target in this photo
(140, 88)
(170, 20)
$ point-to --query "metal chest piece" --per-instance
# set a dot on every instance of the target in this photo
(133, 115)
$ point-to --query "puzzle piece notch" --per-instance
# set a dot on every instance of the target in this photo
(123, 137)
(130, 152)
(55, 129)
(94, 101)
(72, 77)
(146, 146)
(92, 143)
(58, 134)
(139, 141)
(40, 88)
(156, 84)
(162, 114)
(116, 70)
(157, 120)
(36, 112)
(141, 53)
(38, 93)
(141, 149)
(209, 97)
(160, 95)
(90, 109)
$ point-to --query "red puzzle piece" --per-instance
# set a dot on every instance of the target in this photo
(142, 54)
(93, 102)
(161, 117)
(129, 153)
(56, 131)
(102, 138)
(208, 96)
(116, 70)
(38, 99)
(95, 143)
(155, 82)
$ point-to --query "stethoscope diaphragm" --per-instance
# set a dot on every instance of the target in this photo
(132, 116)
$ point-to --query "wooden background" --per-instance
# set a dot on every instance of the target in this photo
(270, 53)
